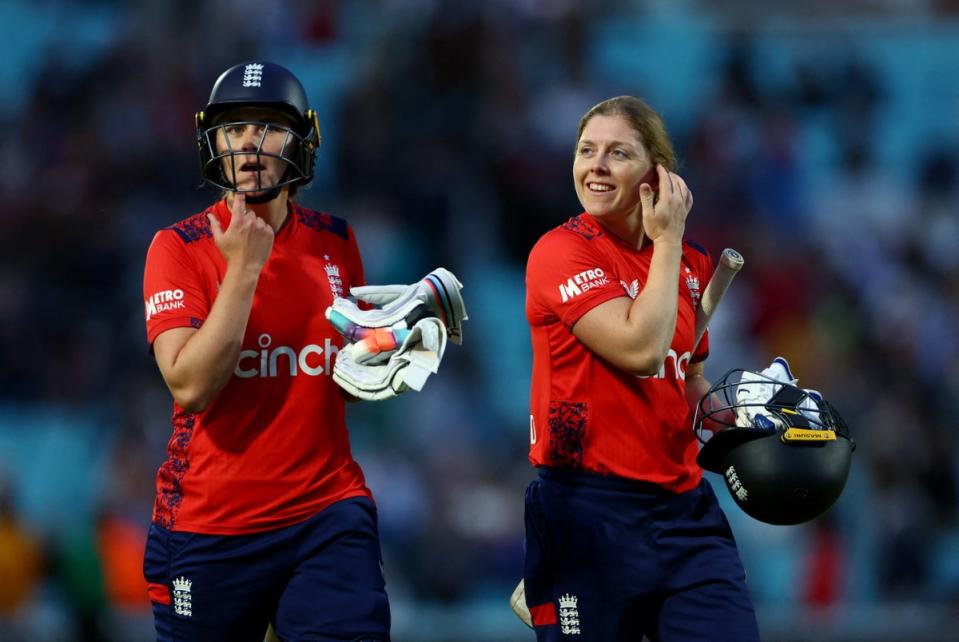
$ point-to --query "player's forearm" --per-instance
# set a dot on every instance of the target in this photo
(696, 386)
(651, 321)
(206, 362)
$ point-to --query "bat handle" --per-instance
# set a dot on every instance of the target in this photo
(730, 262)
(732, 259)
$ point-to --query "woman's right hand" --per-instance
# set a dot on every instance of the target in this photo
(665, 219)
(248, 239)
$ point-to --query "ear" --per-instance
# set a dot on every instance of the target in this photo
(651, 177)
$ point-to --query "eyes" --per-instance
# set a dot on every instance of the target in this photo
(618, 152)
(235, 130)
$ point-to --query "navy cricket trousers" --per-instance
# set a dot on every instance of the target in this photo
(319, 580)
(612, 560)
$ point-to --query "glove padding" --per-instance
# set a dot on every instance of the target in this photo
(402, 306)
(756, 390)
(517, 602)
(369, 346)
(407, 368)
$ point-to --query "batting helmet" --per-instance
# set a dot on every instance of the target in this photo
(259, 84)
(786, 467)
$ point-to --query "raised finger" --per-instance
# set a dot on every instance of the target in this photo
(665, 180)
(681, 186)
(685, 192)
(238, 211)
(215, 226)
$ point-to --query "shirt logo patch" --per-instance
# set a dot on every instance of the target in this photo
(692, 284)
(579, 283)
(312, 360)
(163, 301)
(632, 289)
(336, 282)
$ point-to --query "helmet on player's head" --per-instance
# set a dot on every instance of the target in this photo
(265, 85)
(784, 454)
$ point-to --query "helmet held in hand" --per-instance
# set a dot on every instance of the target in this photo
(784, 452)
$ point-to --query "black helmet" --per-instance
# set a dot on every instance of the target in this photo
(789, 463)
(259, 84)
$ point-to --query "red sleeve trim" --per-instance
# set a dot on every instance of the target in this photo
(576, 312)
(169, 324)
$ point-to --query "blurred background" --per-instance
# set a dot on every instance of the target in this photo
(820, 139)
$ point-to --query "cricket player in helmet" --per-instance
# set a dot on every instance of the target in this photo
(262, 516)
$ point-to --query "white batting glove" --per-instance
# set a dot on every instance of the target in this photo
(755, 390)
(401, 306)
(517, 602)
(408, 367)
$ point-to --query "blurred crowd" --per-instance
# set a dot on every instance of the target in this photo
(826, 152)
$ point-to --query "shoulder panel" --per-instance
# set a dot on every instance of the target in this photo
(194, 228)
(578, 225)
(696, 246)
(322, 222)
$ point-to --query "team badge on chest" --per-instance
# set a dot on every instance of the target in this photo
(692, 284)
(333, 275)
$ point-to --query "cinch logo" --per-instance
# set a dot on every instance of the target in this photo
(679, 366)
(312, 360)
(163, 301)
(581, 282)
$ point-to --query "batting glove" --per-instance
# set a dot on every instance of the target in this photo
(400, 307)
(407, 368)
(756, 390)
(517, 602)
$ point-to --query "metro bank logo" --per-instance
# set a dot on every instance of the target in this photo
(163, 301)
(579, 283)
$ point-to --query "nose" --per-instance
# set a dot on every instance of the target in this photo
(249, 141)
(599, 165)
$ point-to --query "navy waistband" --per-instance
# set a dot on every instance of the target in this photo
(608, 482)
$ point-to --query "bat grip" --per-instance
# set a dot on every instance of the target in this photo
(730, 262)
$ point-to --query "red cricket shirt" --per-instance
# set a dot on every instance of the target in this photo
(272, 448)
(587, 414)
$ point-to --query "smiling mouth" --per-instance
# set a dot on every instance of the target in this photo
(599, 188)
